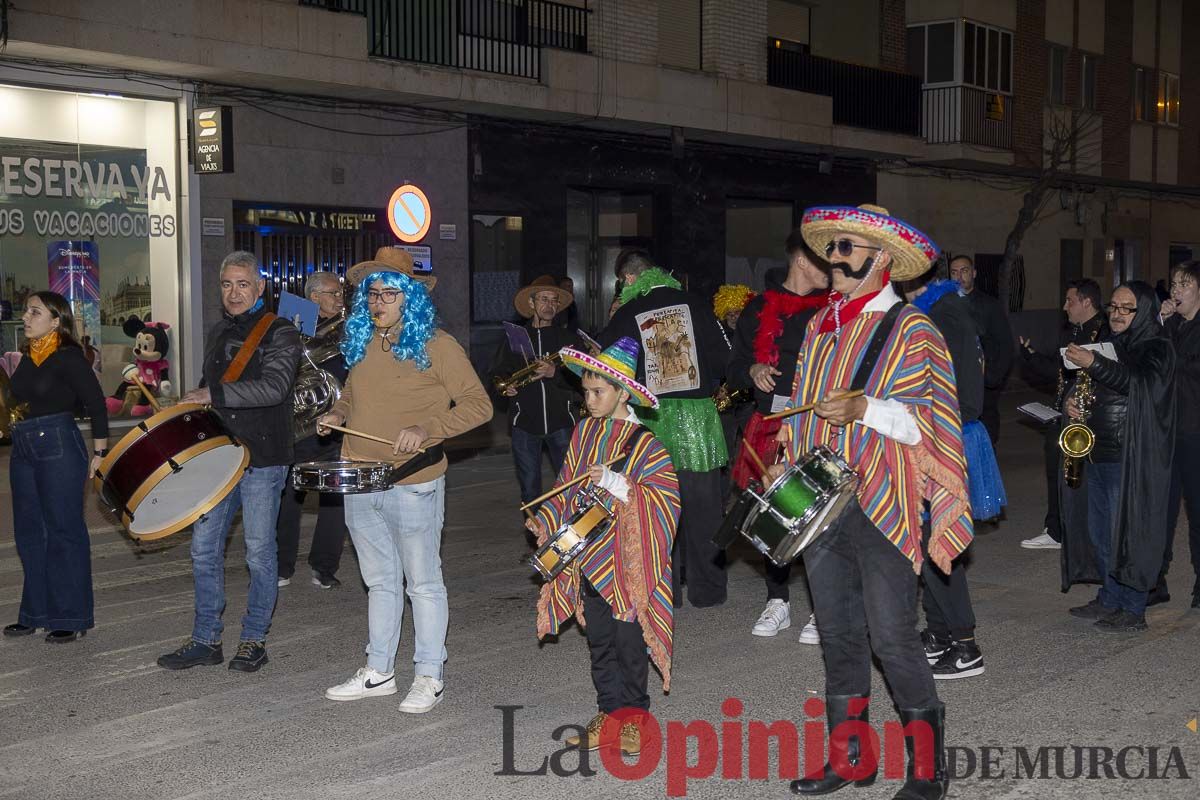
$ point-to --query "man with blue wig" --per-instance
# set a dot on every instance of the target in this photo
(411, 383)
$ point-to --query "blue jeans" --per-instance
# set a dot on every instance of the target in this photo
(527, 457)
(1104, 489)
(47, 471)
(398, 537)
(257, 495)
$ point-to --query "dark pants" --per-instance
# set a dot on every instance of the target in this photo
(1104, 489)
(990, 415)
(329, 537)
(695, 560)
(777, 578)
(946, 600)
(620, 664)
(47, 470)
(865, 598)
(1052, 523)
(527, 457)
(1185, 491)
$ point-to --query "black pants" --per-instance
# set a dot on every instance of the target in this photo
(865, 597)
(1053, 454)
(947, 601)
(620, 663)
(695, 560)
(330, 535)
(990, 415)
(777, 578)
(1185, 491)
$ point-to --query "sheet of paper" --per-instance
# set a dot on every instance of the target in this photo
(1105, 349)
(300, 312)
(1039, 411)
(779, 402)
(518, 340)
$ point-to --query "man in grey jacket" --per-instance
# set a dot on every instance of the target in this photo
(255, 402)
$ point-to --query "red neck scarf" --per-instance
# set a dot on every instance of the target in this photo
(776, 309)
(842, 310)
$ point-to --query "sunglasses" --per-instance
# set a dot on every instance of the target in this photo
(1124, 311)
(845, 247)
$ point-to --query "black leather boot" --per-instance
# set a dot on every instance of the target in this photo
(928, 786)
(837, 711)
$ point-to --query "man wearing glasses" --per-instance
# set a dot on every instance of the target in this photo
(329, 537)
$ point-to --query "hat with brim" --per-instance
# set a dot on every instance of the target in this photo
(912, 251)
(617, 364)
(523, 301)
(387, 259)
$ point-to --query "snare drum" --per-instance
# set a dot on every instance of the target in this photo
(343, 477)
(571, 539)
(800, 505)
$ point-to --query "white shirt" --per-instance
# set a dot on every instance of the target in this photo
(889, 417)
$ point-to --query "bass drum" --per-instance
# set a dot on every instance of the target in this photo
(169, 470)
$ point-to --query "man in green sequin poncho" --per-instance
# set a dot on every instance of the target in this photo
(683, 357)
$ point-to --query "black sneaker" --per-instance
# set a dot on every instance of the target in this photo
(250, 657)
(17, 629)
(1158, 595)
(192, 654)
(935, 646)
(325, 580)
(1122, 621)
(1092, 610)
(961, 660)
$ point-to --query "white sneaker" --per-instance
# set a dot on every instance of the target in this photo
(284, 582)
(425, 693)
(1043, 542)
(365, 683)
(809, 633)
(774, 618)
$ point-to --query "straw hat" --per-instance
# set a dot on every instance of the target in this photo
(912, 251)
(522, 301)
(618, 364)
(387, 259)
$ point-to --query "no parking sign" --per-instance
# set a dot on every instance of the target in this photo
(408, 214)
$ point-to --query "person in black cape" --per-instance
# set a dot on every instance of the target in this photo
(1124, 549)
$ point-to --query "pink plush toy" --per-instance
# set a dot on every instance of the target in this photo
(150, 346)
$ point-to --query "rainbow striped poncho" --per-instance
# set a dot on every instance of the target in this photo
(913, 368)
(630, 565)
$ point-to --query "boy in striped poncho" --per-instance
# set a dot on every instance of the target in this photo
(619, 588)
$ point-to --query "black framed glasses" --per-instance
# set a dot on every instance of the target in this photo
(845, 247)
(385, 296)
(1124, 311)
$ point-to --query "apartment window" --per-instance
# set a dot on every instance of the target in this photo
(1087, 82)
(931, 52)
(987, 57)
(1168, 98)
(1141, 94)
(1058, 75)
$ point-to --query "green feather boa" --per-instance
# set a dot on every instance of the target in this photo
(650, 279)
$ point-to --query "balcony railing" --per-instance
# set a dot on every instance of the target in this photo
(966, 115)
(500, 36)
(863, 97)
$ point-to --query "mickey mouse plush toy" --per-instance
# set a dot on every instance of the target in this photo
(150, 346)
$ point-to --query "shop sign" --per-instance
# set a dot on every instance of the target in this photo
(212, 140)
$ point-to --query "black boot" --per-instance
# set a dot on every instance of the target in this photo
(929, 786)
(837, 709)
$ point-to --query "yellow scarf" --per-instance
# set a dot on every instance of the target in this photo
(41, 348)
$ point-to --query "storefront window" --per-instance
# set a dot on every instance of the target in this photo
(89, 198)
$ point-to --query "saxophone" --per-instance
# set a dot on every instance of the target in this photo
(316, 390)
(1076, 439)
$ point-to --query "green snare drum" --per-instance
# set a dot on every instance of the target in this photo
(800, 505)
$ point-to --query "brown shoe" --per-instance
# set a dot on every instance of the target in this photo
(592, 734)
(631, 739)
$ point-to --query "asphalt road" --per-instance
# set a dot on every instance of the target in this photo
(97, 719)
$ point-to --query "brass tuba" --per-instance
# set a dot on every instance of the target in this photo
(10, 410)
(525, 375)
(316, 390)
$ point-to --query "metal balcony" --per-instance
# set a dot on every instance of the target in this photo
(966, 115)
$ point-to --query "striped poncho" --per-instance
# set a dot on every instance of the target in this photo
(914, 368)
(630, 565)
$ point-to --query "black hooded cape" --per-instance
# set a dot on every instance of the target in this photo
(1144, 371)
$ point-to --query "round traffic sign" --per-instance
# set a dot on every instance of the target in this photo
(408, 214)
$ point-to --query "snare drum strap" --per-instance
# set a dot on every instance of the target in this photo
(867, 366)
(244, 353)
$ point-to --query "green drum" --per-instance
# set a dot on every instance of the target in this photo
(800, 505)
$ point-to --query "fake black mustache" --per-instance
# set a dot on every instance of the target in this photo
(855, 275)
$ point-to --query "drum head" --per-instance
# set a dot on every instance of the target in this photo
(177, 499)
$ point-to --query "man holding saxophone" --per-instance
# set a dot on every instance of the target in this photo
(542, 404)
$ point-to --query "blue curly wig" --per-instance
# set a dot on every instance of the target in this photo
(419, 320)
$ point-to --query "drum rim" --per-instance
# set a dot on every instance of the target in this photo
(138, 431)
(163, 470)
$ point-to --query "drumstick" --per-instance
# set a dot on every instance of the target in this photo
(362, 435)
(810, 406)
(568, 484)
(149, 397)
(762, 468)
